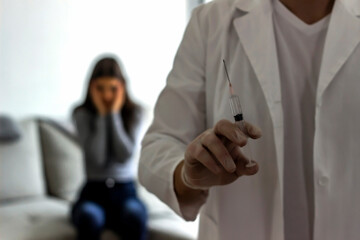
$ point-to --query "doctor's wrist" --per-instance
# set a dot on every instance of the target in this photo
(183, 191)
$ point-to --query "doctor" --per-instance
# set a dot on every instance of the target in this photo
(295, 66)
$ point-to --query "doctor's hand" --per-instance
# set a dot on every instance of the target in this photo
(215, 158)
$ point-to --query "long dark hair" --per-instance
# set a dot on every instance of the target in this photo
(109, 67)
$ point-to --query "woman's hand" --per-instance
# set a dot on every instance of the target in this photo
(96, 98)
(119, 98)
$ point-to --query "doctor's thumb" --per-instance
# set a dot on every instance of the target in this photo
(241, 169)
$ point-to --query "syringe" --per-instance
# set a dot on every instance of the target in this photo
(238, 116)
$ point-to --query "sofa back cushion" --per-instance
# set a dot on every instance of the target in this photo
(21, 169)
(63, 160)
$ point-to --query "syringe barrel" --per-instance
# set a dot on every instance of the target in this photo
(237, 112)
(241, 125)
(235, 107)
(239, 121)
(246, 149)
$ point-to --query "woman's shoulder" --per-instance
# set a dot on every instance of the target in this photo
(80, 114)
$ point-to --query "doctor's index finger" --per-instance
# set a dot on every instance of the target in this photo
(230, 131)
(252, 130)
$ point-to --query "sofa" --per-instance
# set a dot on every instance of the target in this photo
(40, 176)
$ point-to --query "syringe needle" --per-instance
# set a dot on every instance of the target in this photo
(226, 71)
(228, 78)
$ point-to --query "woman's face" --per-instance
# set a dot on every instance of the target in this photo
(109, 89)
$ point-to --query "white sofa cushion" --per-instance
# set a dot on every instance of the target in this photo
(49, 219)
(36, 219)
(63, 160)
(21, 169)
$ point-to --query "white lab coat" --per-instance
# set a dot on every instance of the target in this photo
(196, 97)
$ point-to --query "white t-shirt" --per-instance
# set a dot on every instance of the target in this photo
(299, 49)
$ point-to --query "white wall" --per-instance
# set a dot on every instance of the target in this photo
(47, 46)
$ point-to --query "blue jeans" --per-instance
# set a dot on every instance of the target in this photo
(116, 208)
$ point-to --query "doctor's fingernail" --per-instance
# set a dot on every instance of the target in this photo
(256, 131)
(230, 165)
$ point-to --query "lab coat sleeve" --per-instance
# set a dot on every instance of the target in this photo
(178, 118)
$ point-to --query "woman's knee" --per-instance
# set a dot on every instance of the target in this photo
(135, 211)
(89, 214)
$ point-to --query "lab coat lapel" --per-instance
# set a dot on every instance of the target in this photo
(256, 34)
(342, 38)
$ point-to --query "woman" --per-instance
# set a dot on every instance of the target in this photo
(107, 122)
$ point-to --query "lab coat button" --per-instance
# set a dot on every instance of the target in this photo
(323, 181)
